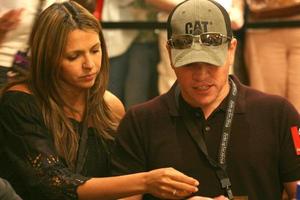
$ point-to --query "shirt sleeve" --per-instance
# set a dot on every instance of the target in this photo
(129, 153)
(29, 146)
(289, 160)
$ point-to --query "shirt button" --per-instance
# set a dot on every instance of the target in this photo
(207, 128)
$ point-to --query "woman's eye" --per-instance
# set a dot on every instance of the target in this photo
(72, 57)
(95, 51)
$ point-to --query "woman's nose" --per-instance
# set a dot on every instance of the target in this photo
(88, 63)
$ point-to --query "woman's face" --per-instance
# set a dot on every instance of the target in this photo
(81, 61)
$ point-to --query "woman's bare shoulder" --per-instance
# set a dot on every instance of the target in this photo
(20, 88)
(114, 103)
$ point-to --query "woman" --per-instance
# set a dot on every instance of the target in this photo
(58, 123)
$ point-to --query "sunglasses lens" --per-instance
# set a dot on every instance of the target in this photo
(182, 41)
(207, 39)
(211, 39)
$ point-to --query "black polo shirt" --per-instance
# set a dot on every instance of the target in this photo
(260, 154)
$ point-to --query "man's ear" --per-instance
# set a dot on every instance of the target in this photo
(169, 54)
(233, 43)
(231, 50)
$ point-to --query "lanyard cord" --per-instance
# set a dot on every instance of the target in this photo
(82, 149)
(192, 129)
(227, 124)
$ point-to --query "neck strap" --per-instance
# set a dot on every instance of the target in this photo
(190, 123)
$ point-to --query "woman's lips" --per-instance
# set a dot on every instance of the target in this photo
(88, 77)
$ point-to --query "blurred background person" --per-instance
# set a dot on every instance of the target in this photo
(133, 53)
(90, 5)
(272, 55)
(98, 10)
(166, 75)
(236, 11)
(16, 21)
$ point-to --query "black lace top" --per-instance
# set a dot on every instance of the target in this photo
(28, 159)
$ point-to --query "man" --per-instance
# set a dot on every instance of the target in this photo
(166, 76)
(235, 140)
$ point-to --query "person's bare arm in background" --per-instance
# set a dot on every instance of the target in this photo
(9, 21)
(236, 14)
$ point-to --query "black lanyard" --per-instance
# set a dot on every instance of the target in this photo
(192, 129)
(82, 149)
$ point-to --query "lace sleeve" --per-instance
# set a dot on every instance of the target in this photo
(30, 154)
(55, 179)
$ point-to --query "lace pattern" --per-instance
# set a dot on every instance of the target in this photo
(58, 181)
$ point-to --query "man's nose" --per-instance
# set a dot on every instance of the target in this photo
(200, 71)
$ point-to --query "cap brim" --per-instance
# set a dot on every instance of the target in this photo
(215, 55)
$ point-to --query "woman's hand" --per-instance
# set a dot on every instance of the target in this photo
(168, 183)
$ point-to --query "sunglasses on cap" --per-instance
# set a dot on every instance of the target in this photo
(187, 40)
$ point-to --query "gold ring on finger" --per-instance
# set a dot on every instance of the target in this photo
(174, 192)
